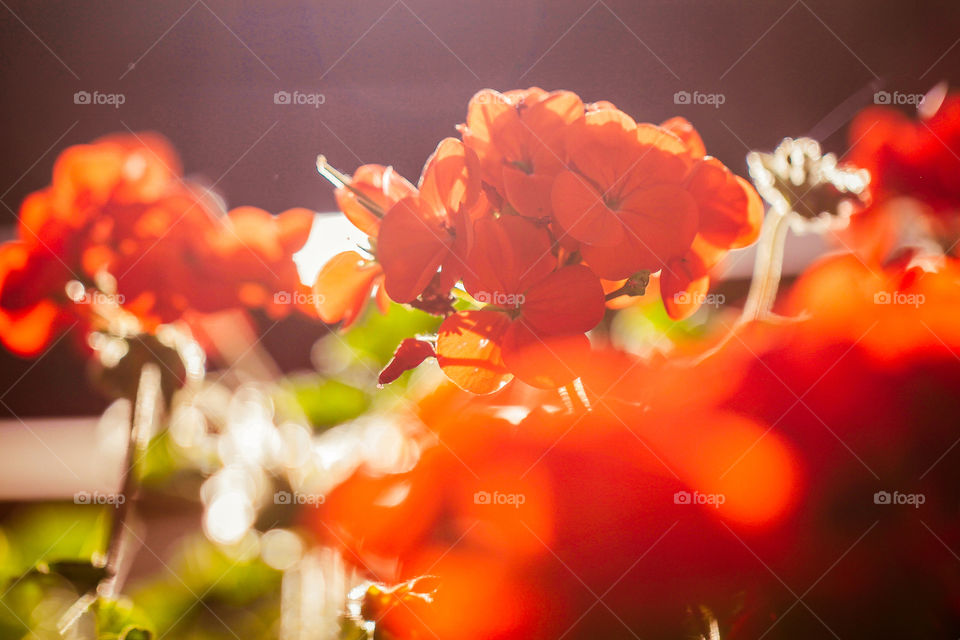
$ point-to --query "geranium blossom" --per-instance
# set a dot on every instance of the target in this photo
(427, 236)
(119, 225)
(347, 281)
(520, 138)
(530, 303)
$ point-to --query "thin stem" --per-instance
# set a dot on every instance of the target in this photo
(767, 268)
(119, 548)
(342, 181)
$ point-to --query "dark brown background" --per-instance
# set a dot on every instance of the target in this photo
(396, 76)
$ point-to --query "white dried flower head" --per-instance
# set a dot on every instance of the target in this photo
(799, 181)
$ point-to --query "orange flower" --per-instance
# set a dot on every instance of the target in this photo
(625, 200)
(519, 138)
(119, 221)
(648, 198)
(31, 281)
(347, 281)
(531, 307)
(730, 215)
(425, 236)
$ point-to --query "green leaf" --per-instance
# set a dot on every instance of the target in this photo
(377, 336)
(44, 536)
(328, 402)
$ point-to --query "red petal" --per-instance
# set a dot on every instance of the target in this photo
(580, 209)
(344, 286)
(567, 301)
(681, 295)
(451, 179)
(509, 254)
(380, 184)
(489, 114)
(468, 350)
(730, 209)
(528, 194)
(682, 128)
(408, 355)
(546, 362)
(662, 222)
(411, 247)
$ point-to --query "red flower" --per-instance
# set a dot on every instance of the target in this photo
(625, 200)
(916, 158)
(530, 305)
(347, 281)
(644, 197)
(118, 221)
(427, 235)
(519, 138)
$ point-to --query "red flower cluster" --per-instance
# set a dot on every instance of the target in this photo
(119, 226)
(915, 159)
(543, 198)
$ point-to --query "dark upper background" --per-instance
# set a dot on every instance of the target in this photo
(396, 76)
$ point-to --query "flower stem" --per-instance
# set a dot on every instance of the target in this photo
(342, 181)
(144, 414)
(120, 549)
(767, 268)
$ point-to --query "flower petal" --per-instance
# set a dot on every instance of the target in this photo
(569, 300)
(409, 354)
(546, 362)
(509, 254)
(411, 247)
(468, 350)
(529, 194)
(344, 286)
(580, 209)
(381, 185)
(662, 222)
(730, 209)
(451, 179)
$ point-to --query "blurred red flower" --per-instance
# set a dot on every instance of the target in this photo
(119, 226)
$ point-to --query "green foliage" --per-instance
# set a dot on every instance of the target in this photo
(328, 402)
(121, 620)
(376, 337)
(45, 537)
